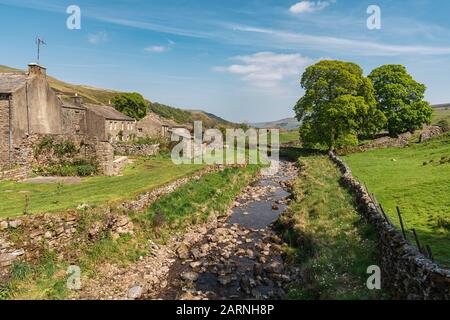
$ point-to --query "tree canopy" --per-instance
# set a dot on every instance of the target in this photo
(131, 104)
(338, 105)
(400, 98)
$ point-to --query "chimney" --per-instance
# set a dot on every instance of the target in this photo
(77, 100)
(36, 70)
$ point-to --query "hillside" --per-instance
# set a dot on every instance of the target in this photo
(287, 124)
(104, 96)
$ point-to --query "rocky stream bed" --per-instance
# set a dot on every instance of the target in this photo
(234, 257)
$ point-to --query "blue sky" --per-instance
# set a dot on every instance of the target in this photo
(241, 60)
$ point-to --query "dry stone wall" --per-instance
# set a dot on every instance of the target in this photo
(23, 156)
(136, 150)
(406, 272)
(384, 142)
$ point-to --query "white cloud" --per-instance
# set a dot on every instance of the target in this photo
(156, 49)
(335, 45)
(267, 69)
(310, 6)
(161, 48)
(96, 38)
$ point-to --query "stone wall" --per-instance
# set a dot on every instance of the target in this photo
(19, 173)
(384, 142)
(407, 273)
(105, 157)
(73, 121)
(23, 156)
(136, 150)
(431, 132)
(4, 132)
(27, 238)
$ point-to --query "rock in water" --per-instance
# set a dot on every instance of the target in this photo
(190, 276)
(135, 293)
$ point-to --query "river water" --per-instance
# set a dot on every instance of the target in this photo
(242, 258)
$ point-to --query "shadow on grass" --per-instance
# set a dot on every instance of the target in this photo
(294, 153)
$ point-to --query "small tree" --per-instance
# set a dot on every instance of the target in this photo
(401, 99)
(131, 104)
(339, 103)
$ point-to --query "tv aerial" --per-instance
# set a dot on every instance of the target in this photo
(39, 42)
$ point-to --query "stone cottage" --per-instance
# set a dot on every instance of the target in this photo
(107, 123)
(27, 106)
(154, 125)
(30, 110)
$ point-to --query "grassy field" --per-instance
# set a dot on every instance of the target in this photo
(417, 179)
(441, 114)
(327, 236)
(190, 204)
(139, 177)
(289, 136)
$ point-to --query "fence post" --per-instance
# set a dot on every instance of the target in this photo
(430, 253)
(401, 223)
(416, 237)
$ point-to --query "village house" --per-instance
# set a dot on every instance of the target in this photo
(30, 110)
(27, 106)
(107, 123)
(154, 125)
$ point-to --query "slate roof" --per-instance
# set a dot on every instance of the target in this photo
(10, 82)
(108, 112)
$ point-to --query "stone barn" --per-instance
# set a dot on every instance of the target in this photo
(107, 123)
(27, 106)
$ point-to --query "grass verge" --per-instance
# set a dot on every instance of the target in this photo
(327, 236)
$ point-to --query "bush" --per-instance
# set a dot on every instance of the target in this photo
(443, 123)
(86, 170)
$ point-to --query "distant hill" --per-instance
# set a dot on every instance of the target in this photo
(285, 124)
(104, 96)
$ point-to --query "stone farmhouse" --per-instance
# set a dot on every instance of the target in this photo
(31, 110)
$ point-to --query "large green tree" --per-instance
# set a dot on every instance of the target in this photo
(131, 104)
(338, 105)
(401, 99)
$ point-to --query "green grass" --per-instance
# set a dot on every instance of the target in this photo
(327, 236)
(143, 175)
(289, 136)
(192, 203)
(197, 200)
(416, 180)
(441, 114)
